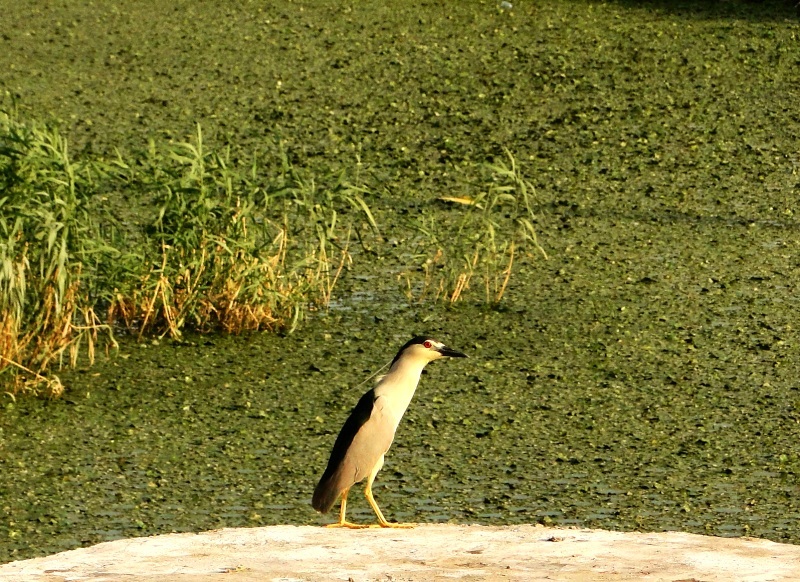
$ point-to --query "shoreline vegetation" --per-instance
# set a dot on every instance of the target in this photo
(231, 247)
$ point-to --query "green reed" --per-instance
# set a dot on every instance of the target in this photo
(481, 239)
(47, 245)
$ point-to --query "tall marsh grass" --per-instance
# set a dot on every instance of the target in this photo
(229, 249)
(47, 244)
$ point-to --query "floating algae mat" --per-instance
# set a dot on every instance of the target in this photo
(644, 377)
(637, 418)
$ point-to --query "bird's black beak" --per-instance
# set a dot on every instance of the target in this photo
(445, 351)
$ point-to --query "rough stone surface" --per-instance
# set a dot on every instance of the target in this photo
(425, 553)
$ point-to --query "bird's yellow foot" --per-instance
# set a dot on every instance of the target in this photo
(347, 524)
(395, 525)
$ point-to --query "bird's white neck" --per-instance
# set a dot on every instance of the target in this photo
(398, 386)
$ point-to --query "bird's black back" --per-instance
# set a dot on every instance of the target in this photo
(324, 495)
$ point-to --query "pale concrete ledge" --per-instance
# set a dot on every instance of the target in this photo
(426, 553)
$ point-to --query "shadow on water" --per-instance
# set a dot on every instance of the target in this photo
(750, 10)
(564, 211)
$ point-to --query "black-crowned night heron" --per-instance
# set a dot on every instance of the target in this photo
(369, 430)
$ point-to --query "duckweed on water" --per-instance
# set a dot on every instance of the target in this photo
(538, 425)
(643, 378)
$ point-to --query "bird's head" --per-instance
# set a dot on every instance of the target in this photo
(425, 349)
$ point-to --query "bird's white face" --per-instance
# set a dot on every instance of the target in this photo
(429, 350)
(422, 350)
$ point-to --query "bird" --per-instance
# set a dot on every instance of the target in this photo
(368, 432)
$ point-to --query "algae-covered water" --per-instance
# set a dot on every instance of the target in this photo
(644, 377)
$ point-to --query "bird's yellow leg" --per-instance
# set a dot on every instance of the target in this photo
(368, 493)
(342, 521)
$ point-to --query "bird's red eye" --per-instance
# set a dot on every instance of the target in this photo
(427, 344)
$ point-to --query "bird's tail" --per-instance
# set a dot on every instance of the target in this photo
(327, 492)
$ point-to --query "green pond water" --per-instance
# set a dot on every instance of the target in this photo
(645, 377)
(635, 384)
